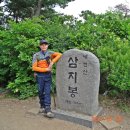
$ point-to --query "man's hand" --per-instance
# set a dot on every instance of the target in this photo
(48, 69)
(35, 74)
(50, 66)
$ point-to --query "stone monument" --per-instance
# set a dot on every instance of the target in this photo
(77, 85)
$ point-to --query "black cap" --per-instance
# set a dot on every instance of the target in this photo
(43, 42)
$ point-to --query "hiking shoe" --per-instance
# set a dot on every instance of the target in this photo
(49, 114)
(42, 110)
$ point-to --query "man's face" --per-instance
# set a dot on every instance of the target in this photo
(44, 47)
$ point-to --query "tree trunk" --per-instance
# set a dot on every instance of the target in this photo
(31, 12)
(38, 9)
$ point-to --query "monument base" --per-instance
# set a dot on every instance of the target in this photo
(81, 119)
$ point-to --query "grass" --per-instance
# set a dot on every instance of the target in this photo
(2, 90)
(5, 93)
(124, 107)
(122, 104)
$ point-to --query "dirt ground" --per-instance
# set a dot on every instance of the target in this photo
(14, 116)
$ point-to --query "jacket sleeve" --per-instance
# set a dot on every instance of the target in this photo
(35, 67)
(56, 56)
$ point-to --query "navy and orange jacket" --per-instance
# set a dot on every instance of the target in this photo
(41, 60)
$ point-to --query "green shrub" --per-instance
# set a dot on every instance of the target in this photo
(96, 34)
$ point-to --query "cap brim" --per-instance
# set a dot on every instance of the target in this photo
(43, 43)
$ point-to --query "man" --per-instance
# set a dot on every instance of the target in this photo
(42, 65)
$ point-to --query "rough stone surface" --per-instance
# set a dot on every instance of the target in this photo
(110, 125)
(74, 117)
(77, 82)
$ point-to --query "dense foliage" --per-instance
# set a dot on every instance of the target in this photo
(20, 9)
(106, 35)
